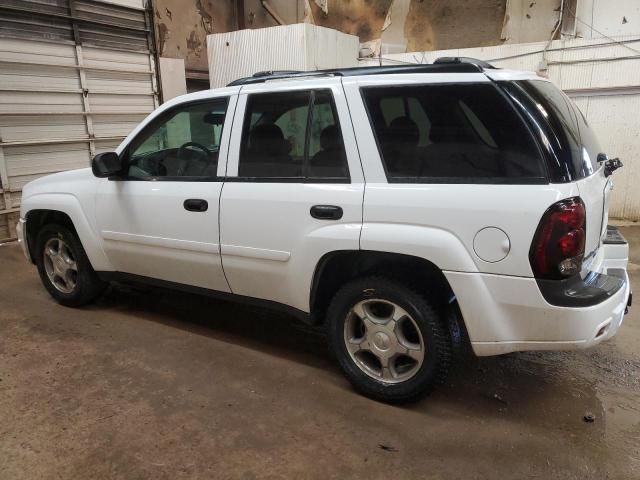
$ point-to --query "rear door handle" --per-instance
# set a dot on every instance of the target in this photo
(196, 205)
(326, 212)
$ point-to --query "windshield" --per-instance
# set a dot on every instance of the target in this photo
(580, 147)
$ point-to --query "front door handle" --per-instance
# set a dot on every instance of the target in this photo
(326, 212)
(196, 205)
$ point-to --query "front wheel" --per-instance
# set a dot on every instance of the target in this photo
(64, 268)
(389, 341)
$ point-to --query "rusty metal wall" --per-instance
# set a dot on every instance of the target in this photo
(182, 27)
(390, 26)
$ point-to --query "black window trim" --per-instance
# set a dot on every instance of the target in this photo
(560, 171)
(162, 117)
(303, 179)
(544, 180)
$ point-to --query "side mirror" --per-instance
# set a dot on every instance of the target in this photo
(107, 164)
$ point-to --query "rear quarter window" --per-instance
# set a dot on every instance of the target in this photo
(463, 133)
(579, 147)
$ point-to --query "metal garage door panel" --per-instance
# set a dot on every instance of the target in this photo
(25, 128)
(106, 146)
(38, 77)
(39, 102)
(27, 25)
(64, 97)
(120, 16)
(28, 162)
(4, 229)
(121, 103)
(37, 52)
(114, 59)
(115, 125)
(122, 82)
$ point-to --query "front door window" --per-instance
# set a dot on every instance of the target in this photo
(182, 142)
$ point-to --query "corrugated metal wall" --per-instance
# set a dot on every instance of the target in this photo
(601, 75)
(288, 47)
(76, 76)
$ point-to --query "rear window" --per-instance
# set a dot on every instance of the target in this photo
(581, 147)
(465, 133)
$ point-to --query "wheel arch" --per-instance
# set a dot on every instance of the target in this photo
(38, 218)
(65, 210)
(336, 268)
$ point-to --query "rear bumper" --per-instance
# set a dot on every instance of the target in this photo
(507, 314)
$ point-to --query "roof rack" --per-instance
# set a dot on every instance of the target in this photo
(472, 61)
(267, 73)
(441, 65)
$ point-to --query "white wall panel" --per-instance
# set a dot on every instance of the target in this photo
(242, 53)
(617, 120)
(606, 17)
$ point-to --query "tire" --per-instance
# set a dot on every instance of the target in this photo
(69, 286)
(363, 347)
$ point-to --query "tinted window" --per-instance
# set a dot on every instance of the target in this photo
(292, 135)
(454, 133)
(183, 142)
(579, 144)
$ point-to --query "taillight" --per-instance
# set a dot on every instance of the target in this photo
(558, 245)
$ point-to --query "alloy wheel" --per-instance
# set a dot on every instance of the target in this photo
(384, 341)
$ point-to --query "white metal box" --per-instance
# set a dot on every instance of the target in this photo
(301, 46)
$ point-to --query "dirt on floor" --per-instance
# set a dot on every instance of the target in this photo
(163, 385)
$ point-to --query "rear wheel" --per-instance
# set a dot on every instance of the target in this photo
(390, 342)
(64, 268)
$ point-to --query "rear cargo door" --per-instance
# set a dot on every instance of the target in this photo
(595, 191)
(595, 188)
(583, 151)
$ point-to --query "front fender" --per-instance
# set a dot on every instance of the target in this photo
(70, 205)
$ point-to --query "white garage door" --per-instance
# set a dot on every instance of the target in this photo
(75, 77)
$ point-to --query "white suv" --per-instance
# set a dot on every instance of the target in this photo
(412, 210)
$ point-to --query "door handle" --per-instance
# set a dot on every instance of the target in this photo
(326, 212)
(196, 205)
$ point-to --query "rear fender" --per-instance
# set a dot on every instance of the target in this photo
(433, 244)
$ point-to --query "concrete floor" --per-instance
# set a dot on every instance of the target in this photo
(162, 385)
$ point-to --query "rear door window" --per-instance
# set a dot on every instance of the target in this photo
(293, 136)
(452, 134)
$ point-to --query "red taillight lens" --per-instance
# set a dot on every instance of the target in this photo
(558, 245)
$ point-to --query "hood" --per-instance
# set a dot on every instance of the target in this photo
(63, 182)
